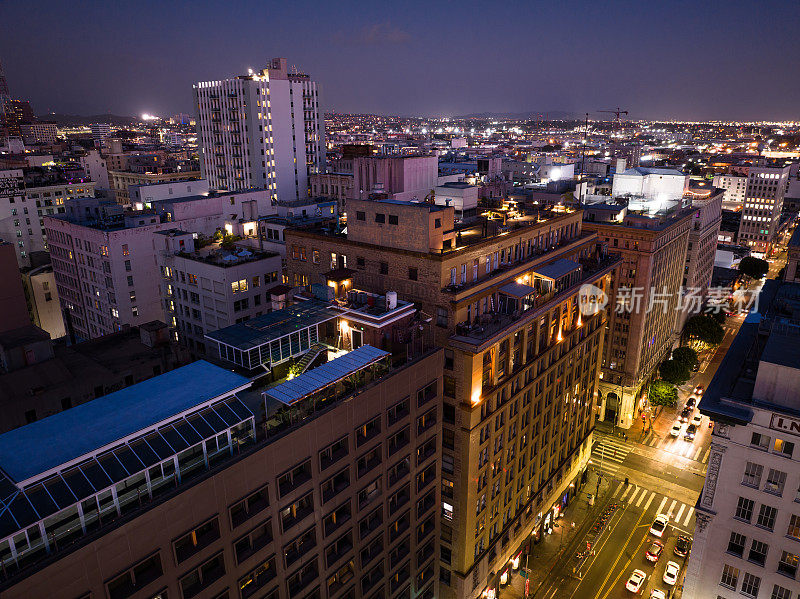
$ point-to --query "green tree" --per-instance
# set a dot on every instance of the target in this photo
(674, 372)
(704, 328)
(663, 393)
(755, 268)
(686, 356)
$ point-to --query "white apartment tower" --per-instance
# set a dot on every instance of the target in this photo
(261, 130)
(763, 203)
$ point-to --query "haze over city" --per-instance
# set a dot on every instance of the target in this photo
(666, 60)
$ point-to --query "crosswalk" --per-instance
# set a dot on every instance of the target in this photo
(680, 514)
(678, 447)
(608, 455)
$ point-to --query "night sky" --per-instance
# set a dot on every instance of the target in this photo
(684, 60)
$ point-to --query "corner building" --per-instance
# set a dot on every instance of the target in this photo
(521, 362)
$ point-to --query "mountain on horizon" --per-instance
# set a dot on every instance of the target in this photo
(548, 115)
(76, 119)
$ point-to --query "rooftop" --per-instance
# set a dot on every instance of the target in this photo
(89, 427)
(273, 325)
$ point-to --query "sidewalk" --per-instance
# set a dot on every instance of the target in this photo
(544, 556)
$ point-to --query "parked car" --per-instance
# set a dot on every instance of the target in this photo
(657, 594)
(685, 414)
(699, 390)
(659, 525)
(697, 419)
(682, 546)
(690, 403)
(654, 552)
(671, 573)
(636, 581)
(675, 431)
(691, 431)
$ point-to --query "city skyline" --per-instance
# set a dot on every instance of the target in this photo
(658, 64)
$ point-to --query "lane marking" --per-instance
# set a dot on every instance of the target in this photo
(627, 490)
(680, 512)
(617, 491)
(697, 453)
(641, 498)
(649, 501)
(672, 508)
(661, 505)
(688, 516)
(619, 556)
(706, 454)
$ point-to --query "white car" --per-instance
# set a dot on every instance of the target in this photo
(675, 431)
(671, 573)
(697, 419)
(636, 581)
(657, 594)
(659, 525)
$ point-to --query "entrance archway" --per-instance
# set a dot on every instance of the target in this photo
(612, 407)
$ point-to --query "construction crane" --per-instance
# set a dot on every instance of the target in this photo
(616, 113)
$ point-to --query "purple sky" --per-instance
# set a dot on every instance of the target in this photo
(686, 60)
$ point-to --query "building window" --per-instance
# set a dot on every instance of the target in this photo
(750, 584)
(788, 564)
(196, 540)
(360, 215)
(294, 478)
(130, 582)
(441, 317)
(736, 544)
(758, 552)
(200, 578)
(794, 527)
(392, 219)
(380, 218)
(125, 251)
(785, 448)
(412, 274)
(778, 592)
(760, 441)
(775, 482)
(248, 507)
(744, 509)
(766, 517)
(730, 577)
(752, 474)
(333, 453)
(315, 256)
(384, 268)
(257, 578)
(254, 540)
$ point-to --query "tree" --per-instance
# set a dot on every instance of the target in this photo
(674, 372)
(686, 356)
(755, 268)
(704, 328)
(663, 393)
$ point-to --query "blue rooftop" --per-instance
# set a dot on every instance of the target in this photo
(46, 444)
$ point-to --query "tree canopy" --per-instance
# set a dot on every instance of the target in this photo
(674, 372)
(754, 268)
(686, 356)
(704, 328)
(663, 393)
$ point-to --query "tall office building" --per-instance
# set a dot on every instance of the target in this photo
(4, 93)
(766, 186)
(521, 362)
(735, 187)
(262, 130)
(100, 133)
(747, 536)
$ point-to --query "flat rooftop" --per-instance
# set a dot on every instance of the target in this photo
(273, 325)
(46, 444)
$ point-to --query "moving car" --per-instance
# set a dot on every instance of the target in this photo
(671, 573)
(659, 525)
(691, 431)
(691, 401)
(683, 545)
(636, 581)
(675, 431)
(699, 390)
(654, 552)
(685, 414)
(697, 419)
(657, 594)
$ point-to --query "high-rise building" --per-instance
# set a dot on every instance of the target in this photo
(101, 132)
(13, 307)
(262, 130)
(15, 113)
(747, 536)
(735, 187)
(766, 186)
(521, 361)
(641, 329)
(40, 132)
(4, 93)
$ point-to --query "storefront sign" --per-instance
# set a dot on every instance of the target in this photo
(786, 424)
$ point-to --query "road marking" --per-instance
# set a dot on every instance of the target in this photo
(688, 516)
(697, 453)
(687, 451)
(619, 488)
(619, 556)
(672, 507)
(661, 505)
(638, 503)
(653, 442)
(680, 513)
(649, 501)
(705, 455)
(627, 490)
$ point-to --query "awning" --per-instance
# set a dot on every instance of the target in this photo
(517, 290)
(325, 375)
